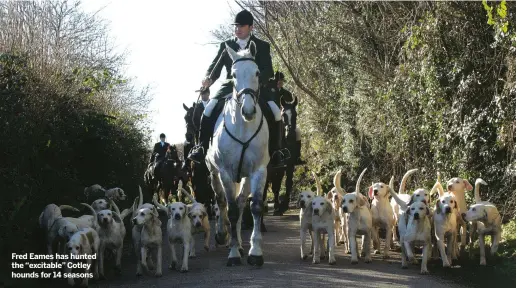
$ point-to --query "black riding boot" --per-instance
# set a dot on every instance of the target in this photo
(198, 152)
(278, 157)
(298, 160)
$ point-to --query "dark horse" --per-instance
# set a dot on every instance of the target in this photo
(199, 172)
(163, 176)
(275, 176)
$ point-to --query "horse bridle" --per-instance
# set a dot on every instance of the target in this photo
(254, 94)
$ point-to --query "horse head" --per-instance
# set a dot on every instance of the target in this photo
(245, 74)
(289, 115)
(189, 122)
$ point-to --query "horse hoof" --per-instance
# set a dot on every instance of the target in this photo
(220, 239)
(254, 260)
(234, 261)
(241, 250)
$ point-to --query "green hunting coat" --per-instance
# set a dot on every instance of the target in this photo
(262, 58)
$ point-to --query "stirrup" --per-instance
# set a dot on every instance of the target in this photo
(282, 160)
(197, 152)
(286, 153)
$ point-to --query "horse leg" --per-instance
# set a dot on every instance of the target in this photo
(258, 180)
(221, 233)
(264, 210)
(288, 186)
(241, 201)
(275, 186)
(229, 187)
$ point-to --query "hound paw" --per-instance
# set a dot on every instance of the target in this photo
(424, 272)
(184, 270)
(376, 252)
(404, 266)
(173, 265)
(207, 248)
(315, 261)
(368, 260)
(354, 262)
(158, 274)
(446, 265)
(482, 262)
(241, 251)
(254, 260)
(332, 262)
(234, 261)
(220, 239)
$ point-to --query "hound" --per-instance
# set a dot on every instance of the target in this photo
(322, 221)
(116, 194)
(335, 196)
(488, 222)
(414, 228)
(179, 229)
(147, 237)
(383, 214)
(110, 232)
(445, 225)
(402, 195)
(50, 214)
(457, 186)
(95, 191)
(199, 217)
(137, 229)
(84, 242)
(305, 205)
(100, 204)
(359, 221)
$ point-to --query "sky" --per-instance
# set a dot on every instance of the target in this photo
(168, 45)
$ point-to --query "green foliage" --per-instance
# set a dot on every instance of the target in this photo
(63, 129)
(404, 85)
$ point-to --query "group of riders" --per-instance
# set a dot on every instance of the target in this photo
(271, 95)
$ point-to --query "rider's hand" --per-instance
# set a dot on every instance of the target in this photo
(206, 82)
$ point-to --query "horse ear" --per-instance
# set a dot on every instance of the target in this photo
(231, 52)
(185, 107)
(253, 48)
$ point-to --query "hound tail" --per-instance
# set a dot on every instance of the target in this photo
(337, 182)
(402, 188)
(358, 183)
(68, 207)
(319, 190)
(188, 195)
(476, 189)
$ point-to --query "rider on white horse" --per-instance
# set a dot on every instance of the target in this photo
(243, 26)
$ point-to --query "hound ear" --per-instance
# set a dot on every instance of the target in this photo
(455, 204)
(155, 212)
(117, 217)
(185, 107)
(360, 200)
(467, 185)
(253, 48)
(84, 240)
(370, 192)
(330, 195)
(437, 208)
(408, 211)
(328, 208)
(205, 214)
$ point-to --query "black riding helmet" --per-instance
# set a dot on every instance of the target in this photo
(162, 135)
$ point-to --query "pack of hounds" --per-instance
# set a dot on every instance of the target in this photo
(345, 216)
(104, 230)
(342, 216)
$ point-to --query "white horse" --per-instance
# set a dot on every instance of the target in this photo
(240, 151)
